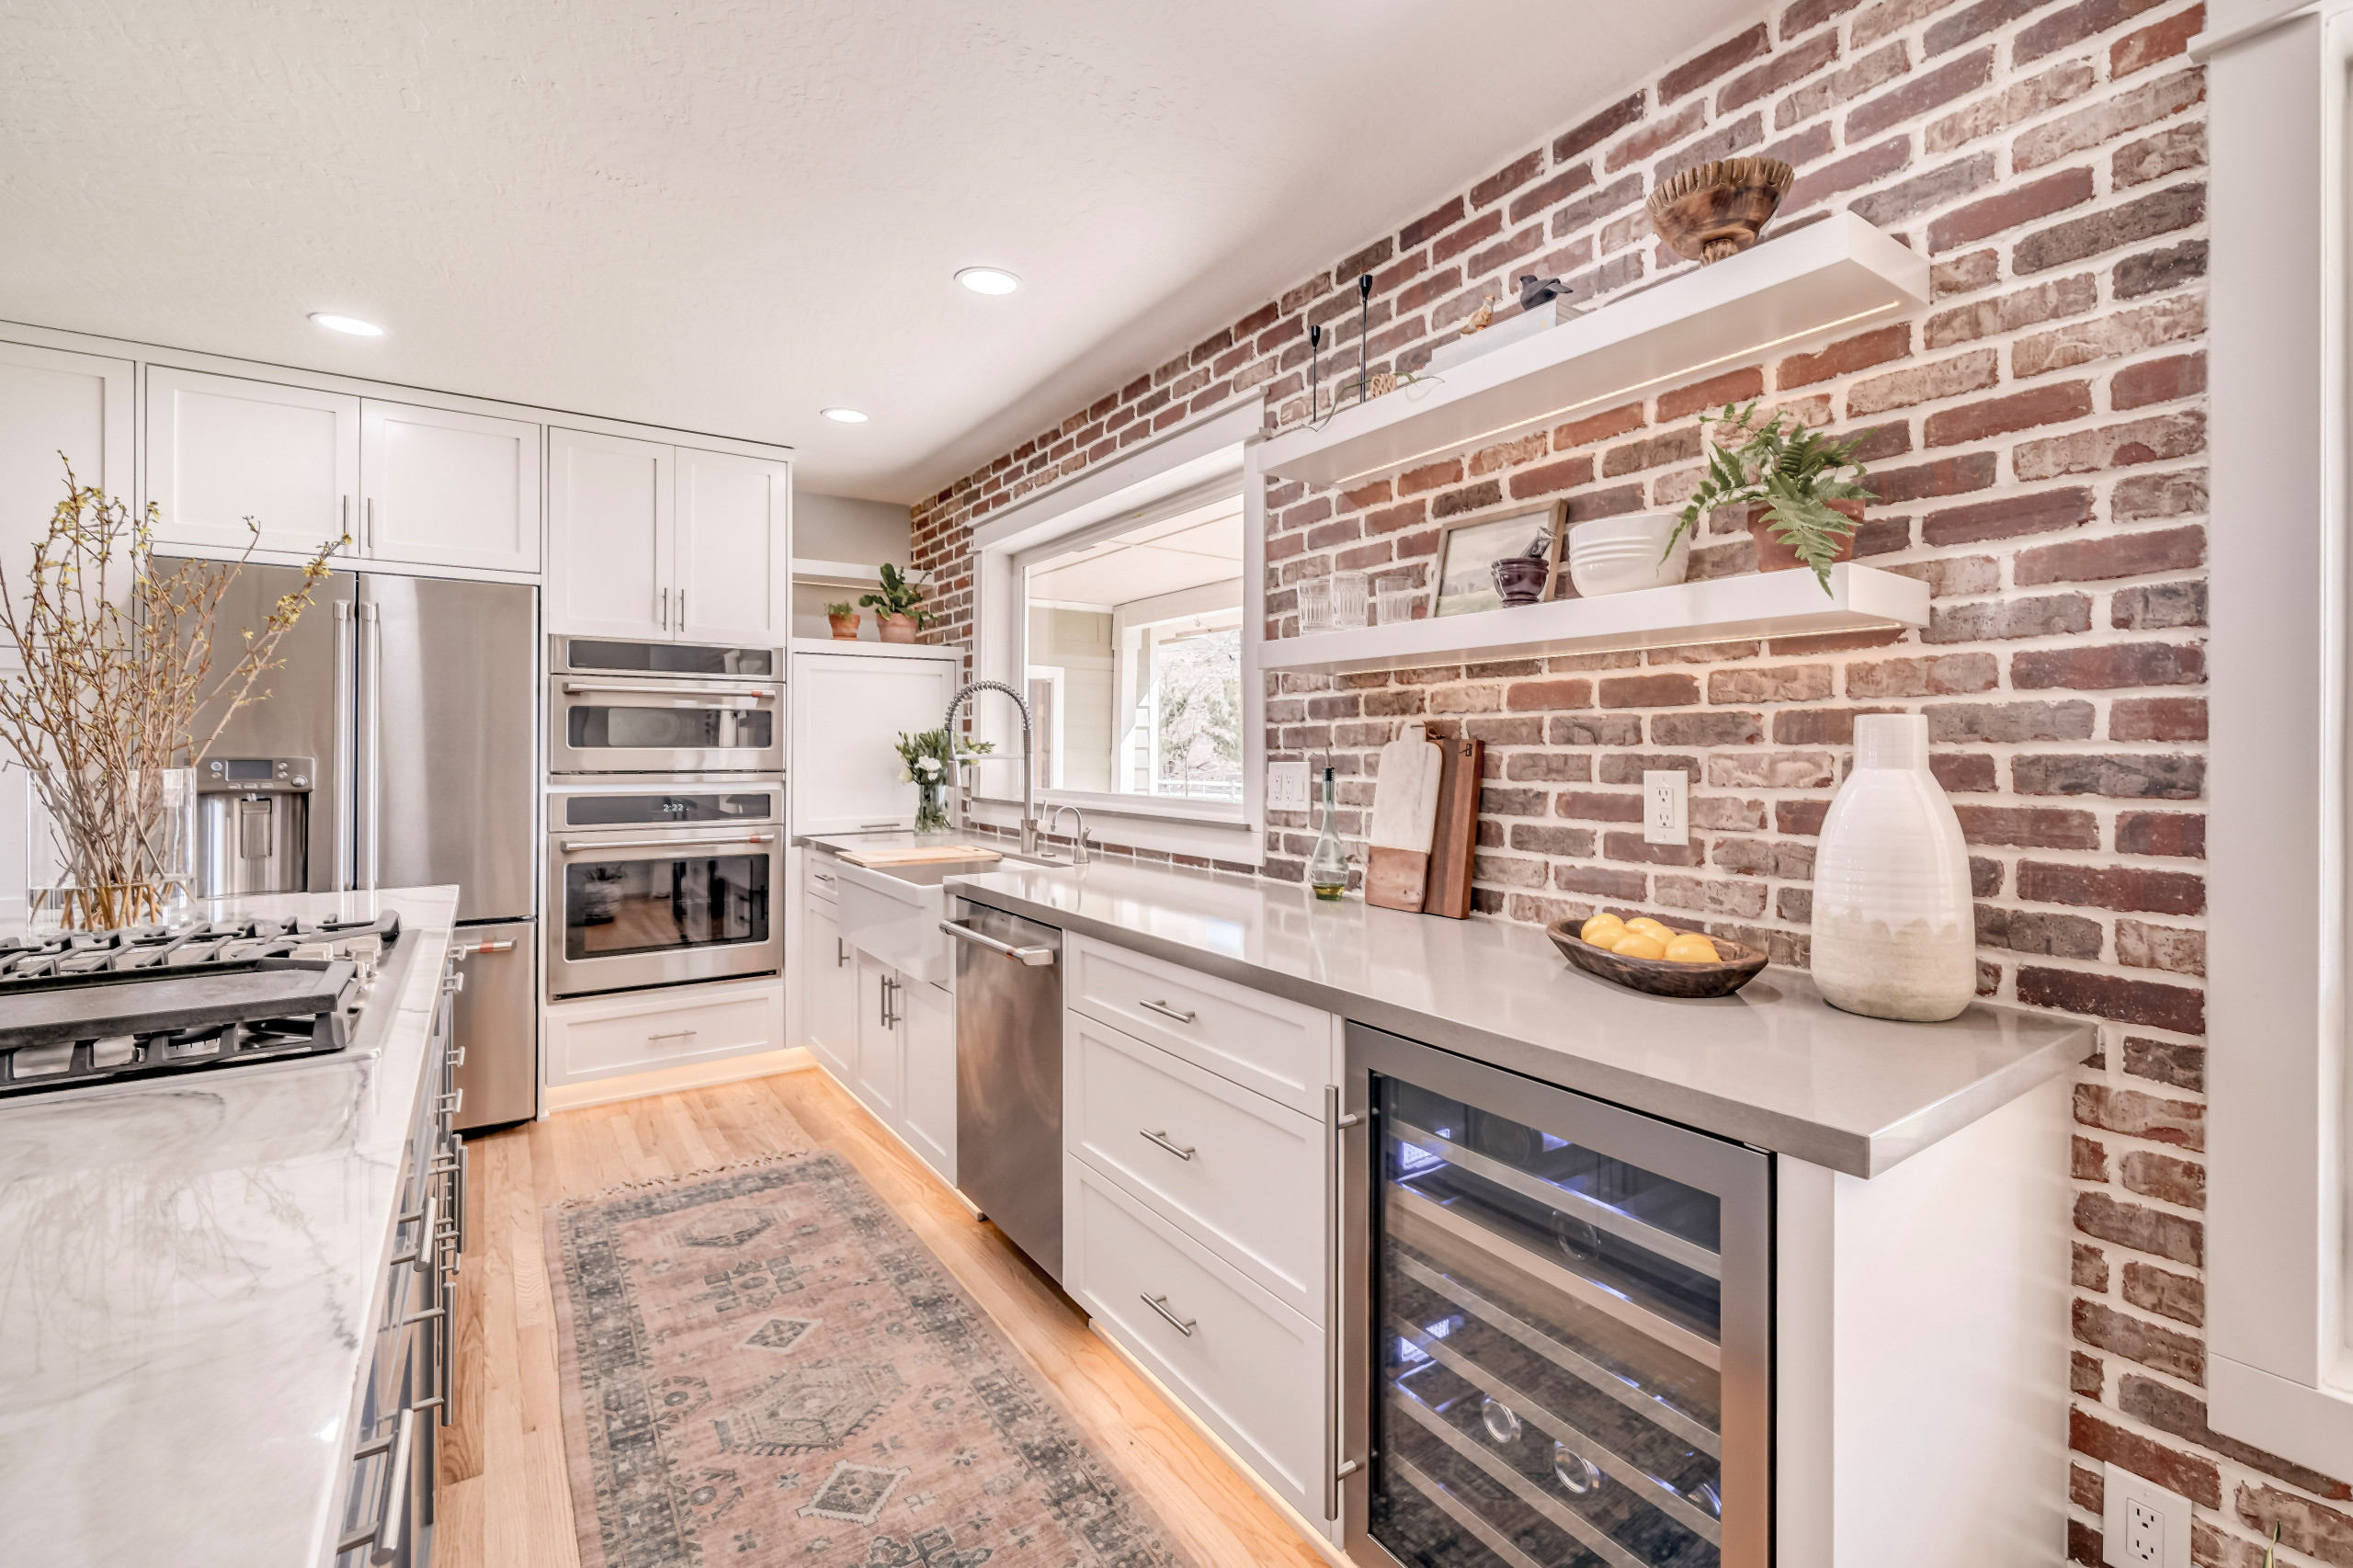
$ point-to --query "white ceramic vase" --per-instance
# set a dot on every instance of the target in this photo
(1894, 930)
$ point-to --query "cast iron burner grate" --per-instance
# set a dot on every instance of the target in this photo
(85, 1007)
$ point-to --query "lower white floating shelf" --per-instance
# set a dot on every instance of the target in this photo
(1763, 604)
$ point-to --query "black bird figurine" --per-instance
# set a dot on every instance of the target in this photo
(1534, 291)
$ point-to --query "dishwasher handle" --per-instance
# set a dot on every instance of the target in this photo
(1036, 958)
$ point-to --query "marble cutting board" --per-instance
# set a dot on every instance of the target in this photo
(1404, 815)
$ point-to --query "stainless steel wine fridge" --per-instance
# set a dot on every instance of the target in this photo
(1557, 1343)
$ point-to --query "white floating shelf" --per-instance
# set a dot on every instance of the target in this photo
(1763, 604)
(836, 573)
(1828, 278)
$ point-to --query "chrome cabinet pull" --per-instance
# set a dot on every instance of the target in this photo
(453, 982)
(1036, 958)
(665, 609)
(1160, 1304)
(367, 525)
(391, 1513)
(673, 1034)
(823, 876)
(682, 609)
(841, 953)
(1182, 1151)
(1182, 1015)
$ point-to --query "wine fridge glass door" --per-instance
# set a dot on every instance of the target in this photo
(1564, 1326)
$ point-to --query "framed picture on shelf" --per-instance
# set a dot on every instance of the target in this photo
(1467, 554)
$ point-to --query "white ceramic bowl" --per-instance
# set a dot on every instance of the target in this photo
(1621, 555)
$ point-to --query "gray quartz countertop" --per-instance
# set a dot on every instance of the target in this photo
(187, 1267)
(1772, 1065)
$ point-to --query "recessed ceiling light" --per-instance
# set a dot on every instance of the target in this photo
(988, 281)
(351, 325)
(843, 415)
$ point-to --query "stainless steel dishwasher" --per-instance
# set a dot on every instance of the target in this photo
(1010, 1075)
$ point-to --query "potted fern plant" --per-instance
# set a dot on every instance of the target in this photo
(897, 605)
(1803, 490)
(844, 618)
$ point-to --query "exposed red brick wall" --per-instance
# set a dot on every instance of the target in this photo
(2039, 433)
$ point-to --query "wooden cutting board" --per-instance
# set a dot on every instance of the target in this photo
(1456, 837)
(1404, 811)
(919, 855)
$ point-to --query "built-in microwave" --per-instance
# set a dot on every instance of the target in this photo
(664, 882)
(666, 708)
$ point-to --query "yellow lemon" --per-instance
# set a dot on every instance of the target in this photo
(1602, 930)
(1645, 923)
(1691, 948)
(1639, 945)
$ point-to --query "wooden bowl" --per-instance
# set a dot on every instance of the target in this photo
(1657, 976)
(1716, 210)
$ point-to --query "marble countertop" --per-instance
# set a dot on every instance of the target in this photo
(1772, 1065)
(187, 1267)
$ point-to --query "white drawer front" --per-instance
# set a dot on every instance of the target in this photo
(820, 877)
(645, 1036)
(1250, 1369)
(1238, 1173)
(1280, 1048)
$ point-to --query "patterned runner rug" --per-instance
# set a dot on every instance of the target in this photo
(762, 1367)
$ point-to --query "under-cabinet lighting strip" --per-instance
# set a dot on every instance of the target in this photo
(1742, 353)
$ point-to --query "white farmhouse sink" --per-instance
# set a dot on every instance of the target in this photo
(894, 912)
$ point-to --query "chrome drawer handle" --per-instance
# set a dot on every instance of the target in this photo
(1182, 1151)
(1182, 1015)
(1160, 1304)
(674, 1034)
(392, 1513)
(822, 875)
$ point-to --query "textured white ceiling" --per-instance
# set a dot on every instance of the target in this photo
(725, 215)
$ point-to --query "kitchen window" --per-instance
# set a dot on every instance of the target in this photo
(1121, 605)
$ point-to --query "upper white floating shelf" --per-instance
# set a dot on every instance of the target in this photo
(1763, 604)
(1829, 278)
(836, 573)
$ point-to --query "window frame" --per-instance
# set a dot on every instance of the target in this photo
(1185, 468)
(2280, 800)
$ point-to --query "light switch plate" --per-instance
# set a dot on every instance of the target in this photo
(1287, 786)
(2143, 1525)
(1666, 806)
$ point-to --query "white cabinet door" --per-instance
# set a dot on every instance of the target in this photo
(734, 576)
(829, 990)
(929, 1091)
(443, 488)
(874, 1075)
(220, 449)
(608, 536)
(848, 709)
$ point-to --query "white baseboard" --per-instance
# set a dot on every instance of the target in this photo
(670, 1080)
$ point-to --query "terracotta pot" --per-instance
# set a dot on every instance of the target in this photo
(844, 626)
(897, 628)
(1521, 579)
(1773, 553)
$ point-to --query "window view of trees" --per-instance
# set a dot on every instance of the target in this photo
(1199, 716)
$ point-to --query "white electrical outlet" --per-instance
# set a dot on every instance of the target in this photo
(1666, 806)
(1287, 786)
(2143, 1525)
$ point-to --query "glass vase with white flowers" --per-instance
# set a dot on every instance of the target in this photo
(924, 762)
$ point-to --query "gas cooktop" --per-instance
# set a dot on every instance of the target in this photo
(85, 1007)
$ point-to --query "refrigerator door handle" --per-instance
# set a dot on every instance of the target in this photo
(341, 873)
(372, 661)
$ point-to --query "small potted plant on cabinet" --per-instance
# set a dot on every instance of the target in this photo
(1802, 510)
(844, 618)
(897, 605)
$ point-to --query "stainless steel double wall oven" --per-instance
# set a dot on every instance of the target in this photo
(666, 814)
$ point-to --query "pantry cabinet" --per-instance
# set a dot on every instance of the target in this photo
(659, 543)
(223, 449)
(443, 487)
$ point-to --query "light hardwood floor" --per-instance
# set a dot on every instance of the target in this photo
(504, 1502)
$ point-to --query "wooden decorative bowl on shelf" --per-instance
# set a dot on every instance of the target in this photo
(1717, 210)
(1741, 963)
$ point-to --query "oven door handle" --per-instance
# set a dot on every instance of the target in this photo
(585, 845)
(579, 688)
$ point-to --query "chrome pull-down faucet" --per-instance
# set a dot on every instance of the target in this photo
(1029, 756)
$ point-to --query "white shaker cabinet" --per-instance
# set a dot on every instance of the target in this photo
(221, 448)
(874, 1073)
(733, 537)
(663, 543)
(442, 487)
(847, 711)
(927, 1074)
(609, 524)
(829, 989)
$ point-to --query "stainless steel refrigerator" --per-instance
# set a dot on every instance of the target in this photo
(399, 747)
